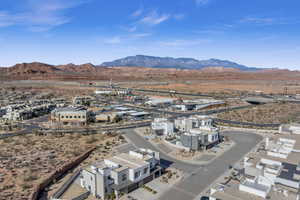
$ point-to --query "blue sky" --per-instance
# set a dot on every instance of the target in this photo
(263, 33)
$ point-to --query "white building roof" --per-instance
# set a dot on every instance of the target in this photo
(136, 114)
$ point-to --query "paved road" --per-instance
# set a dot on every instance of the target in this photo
(156, 91)
(199, 177)
(29, 126)
(178, 114)
(32, 124)
(140, 142)
(215, 111)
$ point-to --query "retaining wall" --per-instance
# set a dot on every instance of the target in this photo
(58, 174)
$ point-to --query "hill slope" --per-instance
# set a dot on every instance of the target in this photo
(31, 68)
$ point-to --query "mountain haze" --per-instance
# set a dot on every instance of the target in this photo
(169, 62)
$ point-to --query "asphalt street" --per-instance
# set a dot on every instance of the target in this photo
(198, 177)
(155, 91)
(28, 125)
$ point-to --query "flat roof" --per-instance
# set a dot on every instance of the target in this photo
(125, 159)
(292, 158)
(139, 113)
(119, 169)
(122, 108)
(256, 186)
(70, 109)
(100, 164)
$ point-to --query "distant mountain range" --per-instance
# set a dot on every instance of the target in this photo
(179, 63)
(132, 67)
(140, 68)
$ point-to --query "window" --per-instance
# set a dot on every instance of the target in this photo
(71, 117)
(137, 174)
(145, 170)
(124, 177)
(62, 117)
(75, 117)
(67, 116)
(79, 117)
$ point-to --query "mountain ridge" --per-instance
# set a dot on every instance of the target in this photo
(90, 72)
(170, 62)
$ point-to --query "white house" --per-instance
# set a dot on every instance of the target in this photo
(161, 126)
(263, 174)
(289, 129)
(121, 173)
(281, 148)
(199, 121)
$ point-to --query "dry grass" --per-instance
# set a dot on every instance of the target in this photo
(268, 113)
(27, 160)
(230, 86)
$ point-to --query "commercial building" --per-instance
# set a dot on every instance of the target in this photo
(104, 92)
(139, 115)
(114, 92)
(159, 101)
(106, 116)
(198, 104)
(70, 116)
(121, 174)
(184, 107)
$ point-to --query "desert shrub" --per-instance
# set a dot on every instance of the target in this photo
(26, 186)
(76, 153)
(29, 177)
(91, 140)
(121, 137)
(8, 140)
(71, 136)
(30, 174)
